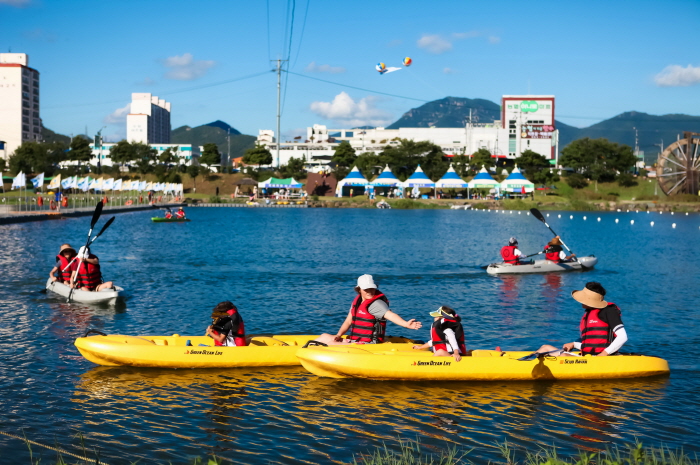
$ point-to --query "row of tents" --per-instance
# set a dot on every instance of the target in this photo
(515, 182)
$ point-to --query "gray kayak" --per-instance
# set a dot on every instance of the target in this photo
(84, 296)
(543, 266)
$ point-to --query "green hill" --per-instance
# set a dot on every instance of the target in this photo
(216, 133)
(449, 112)
(49, 136)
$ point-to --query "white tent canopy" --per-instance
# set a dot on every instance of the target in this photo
(386, 178)
(483, 180)
(418, 179)
(515, 182)
(354, 178)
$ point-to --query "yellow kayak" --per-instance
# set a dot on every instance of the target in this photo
(174, 351)
(483, 365)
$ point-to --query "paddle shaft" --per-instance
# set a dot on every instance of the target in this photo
(536, 213)
(93, 239)
(95, 217)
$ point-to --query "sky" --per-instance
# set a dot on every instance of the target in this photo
(214, 60)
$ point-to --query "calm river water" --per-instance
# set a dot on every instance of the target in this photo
(292, 271)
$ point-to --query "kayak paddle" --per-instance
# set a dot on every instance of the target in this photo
(536, 213)
(104, 228)
(535, 355)
(95, 217)
(526, 256)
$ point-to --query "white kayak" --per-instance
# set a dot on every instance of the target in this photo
(543, 266)
(84, 296)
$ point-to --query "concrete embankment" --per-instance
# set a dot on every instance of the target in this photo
(43, 215)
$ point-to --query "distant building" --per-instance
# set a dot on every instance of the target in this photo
(189, 154)
(529, 124)
(19, 102)
(149, 120)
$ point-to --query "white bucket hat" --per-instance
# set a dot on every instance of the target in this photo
(366, 282)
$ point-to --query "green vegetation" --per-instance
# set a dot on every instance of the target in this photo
(408, 204)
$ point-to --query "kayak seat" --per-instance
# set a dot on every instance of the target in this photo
(266, 341)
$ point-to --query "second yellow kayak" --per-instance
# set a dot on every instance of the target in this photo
(483, 365)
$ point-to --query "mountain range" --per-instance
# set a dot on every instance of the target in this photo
(217, 133)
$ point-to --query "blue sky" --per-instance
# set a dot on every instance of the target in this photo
(599, 58)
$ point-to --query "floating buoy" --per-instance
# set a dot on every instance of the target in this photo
(571, 217)
(632, 222)
(619, 210)
(661, 213)
(686, 213)
(558, 216)
(673, 225)
(636, 211)
(519, 213)
(628, 211)
(510, 211)
(616, 220)
(671, 213)
(584, 218)
(528, 213)
(652, 223)
(599, 218)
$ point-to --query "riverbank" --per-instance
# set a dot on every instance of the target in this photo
(13, 217)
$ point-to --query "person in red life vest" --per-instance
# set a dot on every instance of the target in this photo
(63, 270)
(446, 334)
(87, 275)
(180, 214)
(601, 328)
(367, 317)
(227, 329)
(510, 252)
(168, 214)
(554, 252)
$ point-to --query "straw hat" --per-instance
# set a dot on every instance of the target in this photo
(589, 298)
(65, 247)
(555, 241)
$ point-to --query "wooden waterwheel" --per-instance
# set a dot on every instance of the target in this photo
(678, 167)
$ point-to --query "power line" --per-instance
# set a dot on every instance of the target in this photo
(269, 54)
(303, 28)
(289, 53)
(358, 88)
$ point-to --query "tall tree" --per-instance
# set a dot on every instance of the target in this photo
(122, 152)
(80, 150)
(169, 156)
(369, 164)
(293, 169)
(258, 155)
(37, 157)
(193, 171)
(344, 158)
(598, 159)
(210, 155)
(482, 157)
(403, 158)
(145, 156)
(532, 163)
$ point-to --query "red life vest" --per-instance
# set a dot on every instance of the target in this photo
(365, 327)
(596, 334)
(64, 276)
(508, 254)
(89, 275)
(552, 252)
(437, 333)
(168, 215)
(238, 336)
(180, 214)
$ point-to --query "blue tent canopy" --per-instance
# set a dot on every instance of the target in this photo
(354, 178)
(451, 180)
(418, 179)
(483, 180)
(387, 178)
(515, 182)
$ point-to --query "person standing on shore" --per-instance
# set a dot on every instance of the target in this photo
(367, 317)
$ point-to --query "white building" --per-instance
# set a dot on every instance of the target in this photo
(530, 125)
(19, 102)
(189, 154)
(148, 120)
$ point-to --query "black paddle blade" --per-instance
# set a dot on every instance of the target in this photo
(536, 213)
(96, 214)
(104, 228)
(529, 357)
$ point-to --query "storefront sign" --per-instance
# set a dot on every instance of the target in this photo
(536, 131)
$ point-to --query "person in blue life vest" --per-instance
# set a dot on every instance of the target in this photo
(227, 328)
(367, 317)
(87, 275)
(555, 253)
(601, 328)
(446, 334)
(510, 253)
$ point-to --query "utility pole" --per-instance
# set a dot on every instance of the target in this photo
(279, 108)
(228, 153)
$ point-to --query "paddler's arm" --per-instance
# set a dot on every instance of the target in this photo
(217, 337)
(51, 274)
(344, 327)
(396, 319)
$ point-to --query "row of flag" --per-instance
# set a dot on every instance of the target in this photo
(87, 183)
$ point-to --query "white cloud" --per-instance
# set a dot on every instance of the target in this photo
(494, 40)
(449, 71)
(17, 3)
(434, 43)
(185, 68)
(118, 116)
(344, 110)
(678, 76)
(314, 68)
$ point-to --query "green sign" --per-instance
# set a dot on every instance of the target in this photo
(529, 106)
